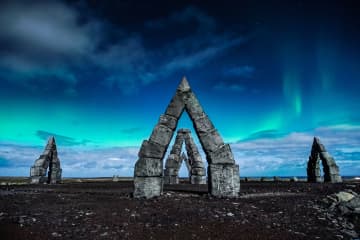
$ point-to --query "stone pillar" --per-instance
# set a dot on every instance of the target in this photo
(172, 166)
(224, 180)
(148, 172)
(174, 161)
(330, 169)
(197, 173)
(223, 173)
(49, 159)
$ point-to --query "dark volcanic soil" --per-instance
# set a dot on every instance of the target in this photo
(267, 210)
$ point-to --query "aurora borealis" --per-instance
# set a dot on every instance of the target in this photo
(270, 74)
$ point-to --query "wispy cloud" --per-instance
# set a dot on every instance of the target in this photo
(75, 161)
(224, 86)
(60, 139)
(50, 42)
(263, 154)
(40, 41)
(288, 154)
(240, 71)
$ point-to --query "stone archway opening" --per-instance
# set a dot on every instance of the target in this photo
(192, 160)
(46, 168)
(329, 168)
(223, 173)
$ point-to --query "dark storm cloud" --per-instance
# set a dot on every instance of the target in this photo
(61, 140)
(48, 40)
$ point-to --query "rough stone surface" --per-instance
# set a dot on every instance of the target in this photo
(211, 141)
(224, 180)
(331, 170)
(221, 155)
(198, 172)
(225, 174)
(151, 150)
(46, 168)
(194, 162)
(161, 135)
(195, 179)
(173, 161)
(168, 121)
(171, 172)
(176, 106)
(147, 187)
(344, 196)
(186, 160)
(193, 107)
(203, 124)
(148, 167)
(171, 179)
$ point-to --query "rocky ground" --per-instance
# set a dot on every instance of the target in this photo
(105, 210)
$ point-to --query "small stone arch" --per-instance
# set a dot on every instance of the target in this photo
(223, 172)
(193, 162)
(330, 169)
(46, 168)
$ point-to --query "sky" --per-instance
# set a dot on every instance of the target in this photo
(271, 75)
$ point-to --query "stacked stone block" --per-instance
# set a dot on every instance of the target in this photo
(331, 170)
(223, 173)
(194, 162)
(46, 168)
(197, 172)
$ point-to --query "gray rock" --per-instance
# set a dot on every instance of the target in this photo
(224, 180)
(168, 179)
(203, 124)
(354, 203)
(151, 167)
(161, 135)
(171, 172)
(196, 179)
(168, 121)
(193, 107)
(48, 161)
(149, 149)
(223, 176)
(294, 179)
(174, 160)
(222, 155)
(344, 196)
(331, 170)
(198, 171)
(147, 187)
(176, 106)
(210, 141)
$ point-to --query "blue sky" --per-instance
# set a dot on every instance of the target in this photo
(97, 75)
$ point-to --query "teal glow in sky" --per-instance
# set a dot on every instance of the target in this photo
(98, 75)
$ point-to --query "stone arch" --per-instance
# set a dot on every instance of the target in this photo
(46, 168)
(223, 172)
(193, 162)
(330, 169)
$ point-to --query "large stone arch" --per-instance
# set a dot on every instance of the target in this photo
(223, 173)
(46, 168)
(330, 169)
(193, 162)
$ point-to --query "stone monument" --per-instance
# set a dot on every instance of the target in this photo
(223, 172)
(193, 163)
(331, 170)
(48, 160)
